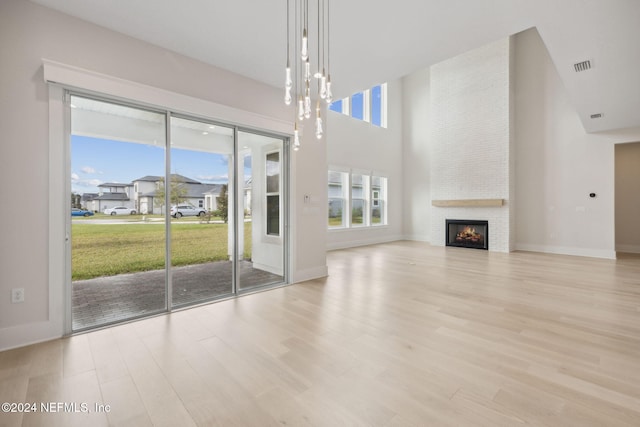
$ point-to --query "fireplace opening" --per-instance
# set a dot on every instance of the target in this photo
(467, 233)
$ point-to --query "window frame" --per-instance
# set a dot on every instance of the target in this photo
(366, 196)
(63, 79)
(380, 201)
(383, 105)
(368, 200)
(344, 197)
(268, 194)
(367, 105)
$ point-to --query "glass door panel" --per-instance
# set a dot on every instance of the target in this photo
(261, 210)
(200, 206)
(118, 243)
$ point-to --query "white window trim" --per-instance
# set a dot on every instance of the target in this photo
(346, 106)
(367, 219)
(366, 109)
(383, 104)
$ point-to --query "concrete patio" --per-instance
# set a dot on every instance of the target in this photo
(110, 299)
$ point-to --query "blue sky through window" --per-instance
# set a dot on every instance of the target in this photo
(336, 106)
(357, 106)
(376, 105)
(95, 161)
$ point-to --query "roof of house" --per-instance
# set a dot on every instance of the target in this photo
(113, 196)
(194, 191)
(174, 177)
(114, 184)
(87, 197)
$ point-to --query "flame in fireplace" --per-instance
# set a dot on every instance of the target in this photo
(469, 234)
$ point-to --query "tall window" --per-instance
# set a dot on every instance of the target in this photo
(273, 193)
(358, 106)
(369, 105)
(378, 200)
(378, 105)
(356, 200)
(336, 106)
(359, 199)
(338, 184)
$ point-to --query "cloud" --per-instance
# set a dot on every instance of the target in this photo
(77, 182)
(214, 178)
(88, 169)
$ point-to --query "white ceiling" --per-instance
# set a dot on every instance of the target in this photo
(373, 41)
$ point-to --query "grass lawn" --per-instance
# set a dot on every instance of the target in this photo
(109, 249)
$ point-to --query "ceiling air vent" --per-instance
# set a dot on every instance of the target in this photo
(596, 116)
(582, 66)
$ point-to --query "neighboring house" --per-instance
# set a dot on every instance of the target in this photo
(145, 194)
(336, 194)
(338, 190)
(86, 200)
(148, 193)
(111, 194)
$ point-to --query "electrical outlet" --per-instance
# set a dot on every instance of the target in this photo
(17, 295)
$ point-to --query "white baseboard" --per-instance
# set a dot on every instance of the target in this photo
(362, 242)
(30, 333)
(417, 237)
(310, 274)
(567, 250)
(631, 249)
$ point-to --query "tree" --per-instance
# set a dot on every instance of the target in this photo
(223, 203)
(177, 192)
(76, 200)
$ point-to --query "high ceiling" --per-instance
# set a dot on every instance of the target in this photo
(373, 41)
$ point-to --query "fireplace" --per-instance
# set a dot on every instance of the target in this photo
(467, 233)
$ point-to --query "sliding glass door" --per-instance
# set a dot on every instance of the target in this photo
(118, 243)
(155, 229)
(201, 240)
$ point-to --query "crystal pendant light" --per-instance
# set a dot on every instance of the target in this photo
(296, 137)
(323, 86)
(329, 97)
(304, 54)
(319, 131)
(298, 77)
(300, 108)
(307, 102)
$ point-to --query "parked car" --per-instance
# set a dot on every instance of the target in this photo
(120, 210)
(80, 212)
(186, 210)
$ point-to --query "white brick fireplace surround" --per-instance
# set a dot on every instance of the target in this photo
(471, 140)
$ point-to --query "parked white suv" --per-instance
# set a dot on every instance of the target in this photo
(120, 210)
(186, 210)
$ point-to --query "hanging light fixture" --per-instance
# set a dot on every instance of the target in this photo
(298, 82)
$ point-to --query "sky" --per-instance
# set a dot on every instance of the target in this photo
(95, 161)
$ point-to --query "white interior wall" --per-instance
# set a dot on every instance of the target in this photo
(416, 159)
(627, 193)
(358, 145)
(558, 164)
(29, 33)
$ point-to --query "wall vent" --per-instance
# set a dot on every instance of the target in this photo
(582, 66)
(596, 116)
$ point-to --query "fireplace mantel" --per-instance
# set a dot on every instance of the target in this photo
(467, 203)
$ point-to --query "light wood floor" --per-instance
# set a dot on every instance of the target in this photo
(400, 334)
